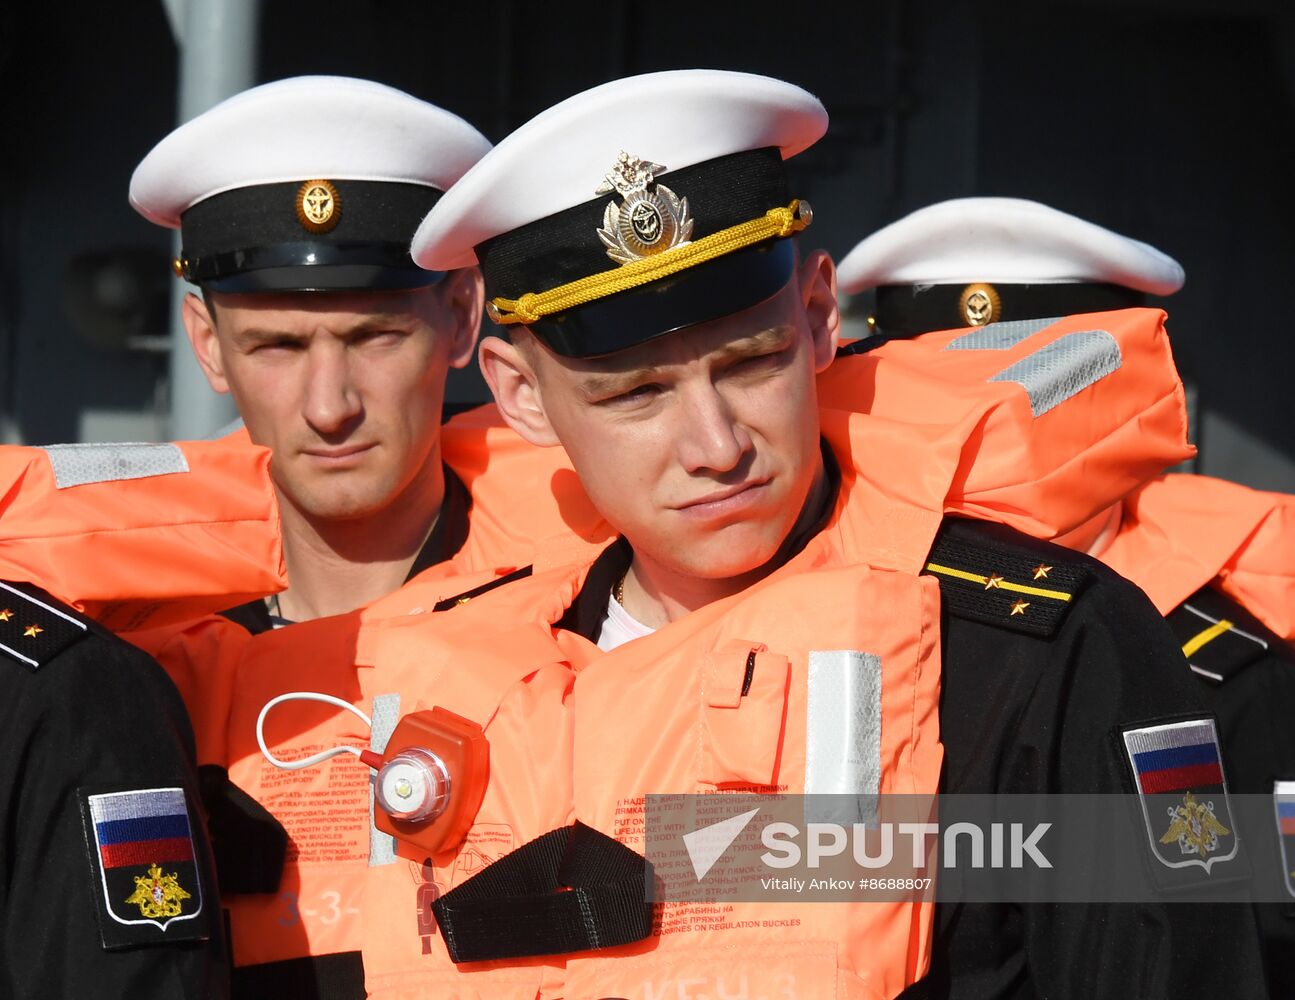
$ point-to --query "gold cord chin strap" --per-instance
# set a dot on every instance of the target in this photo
(777, 222)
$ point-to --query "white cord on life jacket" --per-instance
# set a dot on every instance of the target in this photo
(368, 757)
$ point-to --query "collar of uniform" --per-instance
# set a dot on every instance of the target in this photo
(451, 530)
(253, 616)
(585, 615)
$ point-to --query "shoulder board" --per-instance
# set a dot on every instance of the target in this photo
(992, 574)
(1219, 638)
(34, 630)
(467, 595)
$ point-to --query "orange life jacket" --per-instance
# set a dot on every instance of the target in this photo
(140, 535)
(1036, 464)
(527, 508)
(1181, 532)
(580, 734)
(326, 808)
(666, 739)
(1178, 532)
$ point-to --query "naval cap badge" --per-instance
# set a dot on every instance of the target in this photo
(979, 304)
(318, 205)
(647, 221)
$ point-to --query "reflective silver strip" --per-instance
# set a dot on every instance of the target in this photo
(999, 336)
(80, 464)
(1068, 365)
(843, 723)
(386, 713)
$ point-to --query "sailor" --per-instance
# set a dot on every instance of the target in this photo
(1216, 558)
(638, 243)
(295, 202)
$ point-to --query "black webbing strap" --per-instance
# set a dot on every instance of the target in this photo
(572, 889)
(336, 976)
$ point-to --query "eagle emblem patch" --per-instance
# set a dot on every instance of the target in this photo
(144, 866)
(1194, 827)
(1179, 774)
(158, 894)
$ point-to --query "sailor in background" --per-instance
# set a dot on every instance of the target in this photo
(1216, 558)
(295, 202)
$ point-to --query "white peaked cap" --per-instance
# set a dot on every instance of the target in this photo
(1007, 241)
(302, 128)
(557, 160)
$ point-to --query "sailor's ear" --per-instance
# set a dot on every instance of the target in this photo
(509, 370)
(817, 276)
(462, 295)
(199, 321)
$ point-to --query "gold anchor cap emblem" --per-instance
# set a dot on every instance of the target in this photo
(319, 208)
(979, 305)
(646, 222)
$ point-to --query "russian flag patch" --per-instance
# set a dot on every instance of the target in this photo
(144, 866)
(1179, 774)
(1284, 803)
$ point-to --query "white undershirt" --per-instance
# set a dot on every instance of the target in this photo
(619, 627)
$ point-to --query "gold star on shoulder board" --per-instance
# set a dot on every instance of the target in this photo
(1041, 571)
(5, 615)
(32, 631)
(1019, 607)
(992, 581)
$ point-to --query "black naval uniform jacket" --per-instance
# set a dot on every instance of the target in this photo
(1021, 713)
(87, 718)
(1247, 676)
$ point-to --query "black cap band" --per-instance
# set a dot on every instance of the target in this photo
(910, 310)
(564, 247)
(255, 239)
(718, 288)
